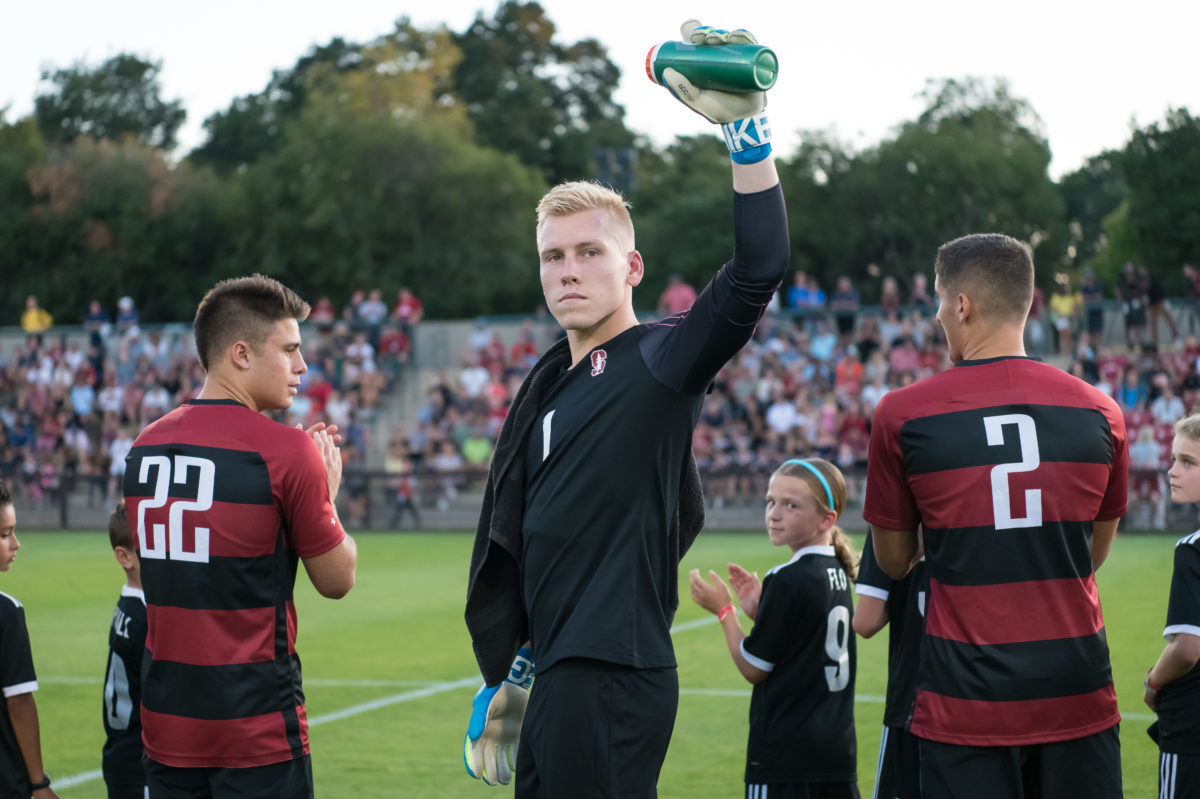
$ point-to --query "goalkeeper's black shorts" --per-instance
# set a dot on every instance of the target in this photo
(596, 729)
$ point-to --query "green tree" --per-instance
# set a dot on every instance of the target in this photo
(21, 149)
(111, 218)
(1090, 195)
(376, 201)
(681, 212)
(119, 98)
(550, 104)
(1162, 167)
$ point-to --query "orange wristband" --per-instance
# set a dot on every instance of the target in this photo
(725, 611)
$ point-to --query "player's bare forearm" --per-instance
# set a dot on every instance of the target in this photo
(734, 636)
(749, 178)
(1178, 657)
(1103, 534)
(22, 711)
(870, 616)
(896, 551)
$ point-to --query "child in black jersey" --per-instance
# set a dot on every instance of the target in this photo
(21, 772)
(122, 754)
(1173, 683)
(800, 655)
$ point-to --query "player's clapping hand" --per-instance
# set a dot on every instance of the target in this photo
(710, 596)
(748, 588)
(326, 438)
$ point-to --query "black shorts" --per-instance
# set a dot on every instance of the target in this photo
(1083, 767)
(291, 779)
(126, 789)
(898, 772)
(596, 729)
(803, 790)
(1178, 776)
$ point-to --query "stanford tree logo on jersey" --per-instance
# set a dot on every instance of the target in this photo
(599, 359)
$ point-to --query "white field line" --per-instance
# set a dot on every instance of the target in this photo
(429, 688)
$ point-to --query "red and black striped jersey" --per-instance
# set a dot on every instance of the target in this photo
(224, 501)
(1006, 462)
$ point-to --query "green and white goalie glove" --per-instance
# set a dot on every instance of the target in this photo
(497, 712)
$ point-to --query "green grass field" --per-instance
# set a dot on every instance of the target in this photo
(390, 675)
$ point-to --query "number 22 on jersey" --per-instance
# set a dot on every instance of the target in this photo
(159, 538)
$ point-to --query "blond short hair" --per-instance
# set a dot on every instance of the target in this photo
(579, 195)
(1189, 427)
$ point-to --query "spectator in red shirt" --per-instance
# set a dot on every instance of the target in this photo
(676, 298)
(408, 310)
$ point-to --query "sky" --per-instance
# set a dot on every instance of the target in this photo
(1090, 70)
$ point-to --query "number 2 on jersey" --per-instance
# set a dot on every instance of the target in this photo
(1030, 460)
(154, 542)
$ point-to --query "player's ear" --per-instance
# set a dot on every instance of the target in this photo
(239, 354)
(637, 269)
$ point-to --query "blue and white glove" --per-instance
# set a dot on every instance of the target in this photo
(741, 115)
(490, 746)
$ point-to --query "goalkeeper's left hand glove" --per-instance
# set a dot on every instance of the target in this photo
(489, 749)
(741, 115)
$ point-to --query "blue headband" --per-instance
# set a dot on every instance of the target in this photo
(821, 477)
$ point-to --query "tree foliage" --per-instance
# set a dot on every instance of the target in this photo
(120, 98)
(548, 103)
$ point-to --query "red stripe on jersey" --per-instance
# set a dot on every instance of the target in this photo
(228, 524)
(227, 743)
(1070, 492)
(1036, 610)
(214, 637)
(293, 625)
(968, 722)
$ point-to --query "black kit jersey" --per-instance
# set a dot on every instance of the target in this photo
(605, 461)
(906, 623)
(802, 715)
(1179, 703)
(16, 677)
(122, 753)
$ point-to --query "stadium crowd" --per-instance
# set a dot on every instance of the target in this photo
(806, 385)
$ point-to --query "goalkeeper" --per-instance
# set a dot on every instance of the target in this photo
(593, 495)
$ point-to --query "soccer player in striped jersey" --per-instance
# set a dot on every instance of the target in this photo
(1173, 684)
(121, 757)
(800, 654)
(883, 601)
(21, 772)
(225, 502)
(1016, 473)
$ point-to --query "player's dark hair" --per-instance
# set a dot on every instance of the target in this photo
(243, 309)
(5, 493)
(119, 534)
(837, 487)
(994, 269)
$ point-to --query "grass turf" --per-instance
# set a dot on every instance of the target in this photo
(389, 672)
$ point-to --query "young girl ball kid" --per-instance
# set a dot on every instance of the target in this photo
(799, 656)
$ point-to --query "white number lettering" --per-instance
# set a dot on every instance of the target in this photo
(118, 705)
(159, 538)
(546, 435)
(154, 541)
(1030, 460)
(837, 641)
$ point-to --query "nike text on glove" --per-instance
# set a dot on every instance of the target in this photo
(489, 749)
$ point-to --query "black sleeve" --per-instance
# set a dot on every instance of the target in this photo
(685, 352)
(1183, 608)
(872, 577)
(785, 615)
(16, 656)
